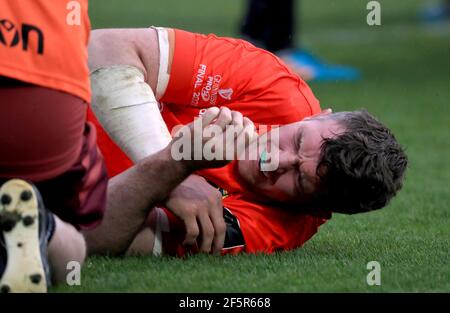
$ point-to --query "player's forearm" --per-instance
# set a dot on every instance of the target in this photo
(134, 192)
(131, 195)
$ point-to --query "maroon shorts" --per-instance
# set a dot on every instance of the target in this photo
(41, 131)
(45, 139)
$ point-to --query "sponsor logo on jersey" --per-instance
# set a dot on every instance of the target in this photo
(226, 93)
(11, 35)
(200, 76)
(207, 88)
(209, 91)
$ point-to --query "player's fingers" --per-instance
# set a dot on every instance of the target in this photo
(224, 118)
(207, 233)
(192, 230)
(249, 130)
(219, 230)
(237, 119)
(248, 124)
(232, 133)
(209, 115)
(246, 138)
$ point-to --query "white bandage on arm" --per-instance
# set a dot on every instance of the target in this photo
(127, 109)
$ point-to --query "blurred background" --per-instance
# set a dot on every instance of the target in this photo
(404, 67)
(404, 62)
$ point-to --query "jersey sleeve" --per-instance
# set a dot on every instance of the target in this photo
(216, 71)
(269, 229)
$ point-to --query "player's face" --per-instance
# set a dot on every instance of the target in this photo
(296, 179)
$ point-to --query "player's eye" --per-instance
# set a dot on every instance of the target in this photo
(298, 141)
(298, 182)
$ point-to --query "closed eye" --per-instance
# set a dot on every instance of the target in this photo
(298, 182)
(297, 145)
(298, 141)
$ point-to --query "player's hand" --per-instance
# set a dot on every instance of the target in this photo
(199, 205)
(214, 139)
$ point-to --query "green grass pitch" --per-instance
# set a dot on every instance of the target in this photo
(406, 83)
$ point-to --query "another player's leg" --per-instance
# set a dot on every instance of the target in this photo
(67, 245)
(48, 143)
(36, 244)
(25, 225)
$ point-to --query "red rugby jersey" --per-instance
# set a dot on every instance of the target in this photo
(212, 71)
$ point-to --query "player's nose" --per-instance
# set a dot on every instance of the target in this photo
(277, 164)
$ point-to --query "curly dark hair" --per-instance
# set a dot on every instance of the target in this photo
(364, 166)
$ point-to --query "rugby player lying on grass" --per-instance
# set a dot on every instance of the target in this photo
(345, 162)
